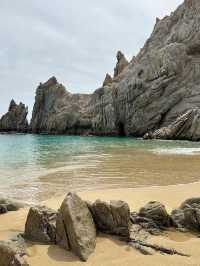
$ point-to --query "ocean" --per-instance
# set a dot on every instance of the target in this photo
(37, 167)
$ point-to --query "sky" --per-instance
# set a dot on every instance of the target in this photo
(76, 41)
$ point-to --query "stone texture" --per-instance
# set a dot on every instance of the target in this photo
(156, 94)
(112, 218)
(188, 122)
(58, 111)
(15, 120)
(188, 215)
(40, 225)
(122, 63)
(9, 205)
(76, 224)
(12, 253)
(108, 80)
(159, 85)
(156, 212)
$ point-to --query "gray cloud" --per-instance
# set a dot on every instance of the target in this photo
(74, 40)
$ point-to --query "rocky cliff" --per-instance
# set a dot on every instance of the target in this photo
(159, 89)
(15, 119)
(58, 111)
(159, 85)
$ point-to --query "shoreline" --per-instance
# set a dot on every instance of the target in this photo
(110, 251)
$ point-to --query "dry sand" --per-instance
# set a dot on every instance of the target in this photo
(109, 251)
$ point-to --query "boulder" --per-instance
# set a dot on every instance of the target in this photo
(12, 253)
(188, 215)
(40, 225)
(61, 232)
(15, 120)
(75, 224)
(156, 212)
(112, 218)
(9, 205)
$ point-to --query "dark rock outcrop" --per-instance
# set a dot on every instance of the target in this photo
(111, 218)
(75, 227)
(40, 225)
(188, 215)
(58, 111)
(15, 120)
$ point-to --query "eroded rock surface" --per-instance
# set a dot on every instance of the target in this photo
(12, 253)
(15, 120)
(40, 225)
(9, 205)
(75, 227)
(112, 218)
(188, 215)
(58, 111)
(159, 85)
(152, 219)
(108, 80)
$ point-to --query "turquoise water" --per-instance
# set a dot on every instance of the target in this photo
(36, 167)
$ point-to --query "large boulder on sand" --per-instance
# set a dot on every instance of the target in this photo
(156, 212)
(40, 225)
(76, 224)
(112, 218)
(188, 215)
(12, 252)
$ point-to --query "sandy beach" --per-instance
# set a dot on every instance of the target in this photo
(109, 250)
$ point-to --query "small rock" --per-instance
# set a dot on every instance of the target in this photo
(40, 225)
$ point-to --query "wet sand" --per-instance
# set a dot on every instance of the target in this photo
(110, 251)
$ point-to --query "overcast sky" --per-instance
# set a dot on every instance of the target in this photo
(74, 40)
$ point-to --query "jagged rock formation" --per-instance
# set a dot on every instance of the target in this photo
(160, 84)
(122, 63)
(58, 111)
(15, 119)
(188, 122)
(108, 80)
(156, 94)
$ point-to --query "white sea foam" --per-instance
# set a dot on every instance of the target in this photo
(178, 151)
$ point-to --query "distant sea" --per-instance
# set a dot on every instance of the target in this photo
(37, 167)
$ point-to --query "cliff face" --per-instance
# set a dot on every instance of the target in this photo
(58, 111)
(158, 90)
(160, 84)
(15, 119)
